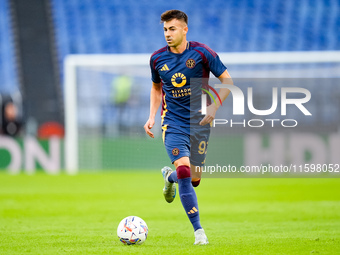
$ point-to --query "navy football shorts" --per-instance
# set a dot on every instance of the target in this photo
(179, 144)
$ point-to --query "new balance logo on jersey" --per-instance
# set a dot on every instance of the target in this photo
(165, 68)
(193, 210)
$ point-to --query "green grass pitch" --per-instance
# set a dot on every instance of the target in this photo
(62, 214)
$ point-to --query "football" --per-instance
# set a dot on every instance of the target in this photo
(132, 230)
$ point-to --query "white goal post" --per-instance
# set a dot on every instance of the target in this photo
(72, 62)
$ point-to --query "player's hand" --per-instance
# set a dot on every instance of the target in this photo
(210, 116)
(148, 125)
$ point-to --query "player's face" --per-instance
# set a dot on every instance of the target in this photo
(174, 32)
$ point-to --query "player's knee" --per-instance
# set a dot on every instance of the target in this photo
(183, 172)
(195, 182)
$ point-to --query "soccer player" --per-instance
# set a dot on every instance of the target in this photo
(185, 130)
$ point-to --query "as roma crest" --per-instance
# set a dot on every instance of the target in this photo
(175, 151)
(190, 63)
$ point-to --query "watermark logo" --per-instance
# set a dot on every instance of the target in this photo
(204, 98)
(239, 104)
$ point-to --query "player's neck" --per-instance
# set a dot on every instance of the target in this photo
(180, 48)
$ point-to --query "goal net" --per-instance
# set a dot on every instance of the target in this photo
(107, 104)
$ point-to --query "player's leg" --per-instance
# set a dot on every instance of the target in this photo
(196, 174)
(177, 146)
(189, 199)
(199, 138)
(187, 192)
(172, 177)
(198, 148)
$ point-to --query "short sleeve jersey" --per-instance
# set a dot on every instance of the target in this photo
(174, 72)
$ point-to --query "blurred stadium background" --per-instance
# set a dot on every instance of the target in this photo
(112, 99)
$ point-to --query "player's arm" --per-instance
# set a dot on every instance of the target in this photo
(223, 93)
(155, 101)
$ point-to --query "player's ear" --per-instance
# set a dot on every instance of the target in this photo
(185, 29)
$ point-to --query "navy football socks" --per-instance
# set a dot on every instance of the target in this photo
(173, 177)
(189, 201)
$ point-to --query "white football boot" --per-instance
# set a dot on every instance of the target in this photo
(200, 237)
(169, 190)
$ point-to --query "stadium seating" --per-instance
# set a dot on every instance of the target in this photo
(8, 77)
(132, 26)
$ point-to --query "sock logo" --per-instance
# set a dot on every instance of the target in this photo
(193, 210)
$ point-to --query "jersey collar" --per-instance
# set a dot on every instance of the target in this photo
(188, 46)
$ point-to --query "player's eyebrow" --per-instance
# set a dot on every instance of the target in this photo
(170, 27)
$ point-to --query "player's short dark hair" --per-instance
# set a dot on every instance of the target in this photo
(174, 14)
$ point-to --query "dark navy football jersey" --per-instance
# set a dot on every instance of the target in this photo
(175, 72)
